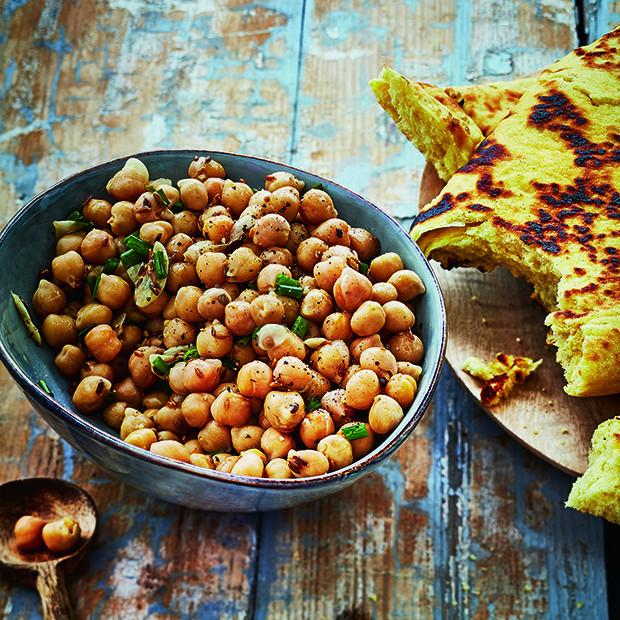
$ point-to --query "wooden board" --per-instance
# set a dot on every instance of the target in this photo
(492, 312)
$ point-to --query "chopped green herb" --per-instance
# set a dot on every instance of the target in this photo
(22, 309)
(288, 287)
(251, 285)
(65, 227)
(363, 268)
(160, 265)
(357, 430)
(162, 196)
(129, 258)
(45, 387)
(133, 242)
(151, 281)
(177, 207)
(93, 279)
(191, 354)
(300, 327)
(78, 216)
(244, 341)
(230, 363)
(110, 265)
(313, 403)
(158, 365)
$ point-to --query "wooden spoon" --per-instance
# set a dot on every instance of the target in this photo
(50, 499)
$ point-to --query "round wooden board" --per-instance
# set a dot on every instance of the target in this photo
(492, 312)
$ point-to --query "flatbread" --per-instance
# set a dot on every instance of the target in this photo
(541, 195)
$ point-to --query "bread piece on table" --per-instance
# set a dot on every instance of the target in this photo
(541, 195)
(598, 490)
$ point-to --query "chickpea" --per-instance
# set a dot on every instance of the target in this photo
(61, 535)
(368, 319)
(291, 311)
(338, 451)
(142, 438)
(97, 211)
(267, 309)
(231, 408)
(285, 202)
(281, 178)
(170, 418)
(28, 532)
(114, 414)
(292, 373)
(159, 230)
(181, 274)
(155, 400)
(186, 303)
(361, 389)
(93, 314)
(243, 265)
(359, 345)
(254, 379)
(172, 449)
(201, 375)
(69, 242)
(238, 318)
(410, 369)
(91, 393)
(129, 182)
(227, 464)
(385, 414)
(328, 271)
(122, 220)
(408, 284)
(249, 464)
(134, 420)
(383, 292)
(128, 392)
(103, 343)
(211, 268)
(149, 207)
(48, 299)
(334, 402)
(70, 360)
(246, 437)
(398, 316)
(380, 360)
(298, 234)
(407, 347)
(214, 437)
(194, 195)
(98, 246)
(284, 410)
(69, 269)
(178, 332)
(58, 330)
(316, 305)
(318, 386)
(97, 369)
(332, 360)
(266, 280)
(382, 267)
(337, 326)
(275, 443)
(214, 340)
(352, 289)
(317, 206)
(276, 256)
(202, 460)
(113, 291)
(278, 341)
(351, 370)
(314, 427)
(333, 231)
(204, 167)
(167, 436)
(306, 463)
(235, 196)
(309, 253)
(215, 186)
(402, 388)
(364, 243)
(212, 304)
(140, 367)
(218, 228)
(131, 336)
(270, 230)
(177, 245)
(185, 222)
(362, 446)
(196, 408)
(278, 468)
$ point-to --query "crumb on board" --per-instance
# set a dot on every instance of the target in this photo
(518, 339)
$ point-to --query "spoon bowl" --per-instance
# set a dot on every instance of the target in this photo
(49, 499)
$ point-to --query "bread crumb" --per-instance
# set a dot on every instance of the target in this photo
(518, 339)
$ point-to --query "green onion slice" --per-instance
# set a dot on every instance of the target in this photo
(313, 403)
(159, 262)
(162, 196)
(45, 387)
(288, 287)
(129, 258)
(230, 363)
(133, 242)
(363, 268)
(177, 207)
(356, 430)
(300, 327)
(94, 277)
(161, 363)
(151, 278)
(24, 314)
(191, 354)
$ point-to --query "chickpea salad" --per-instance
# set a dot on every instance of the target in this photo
(246, 330)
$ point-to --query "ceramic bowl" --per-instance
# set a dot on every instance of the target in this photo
(26, 245)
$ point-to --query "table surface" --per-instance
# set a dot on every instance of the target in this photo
(462, 522)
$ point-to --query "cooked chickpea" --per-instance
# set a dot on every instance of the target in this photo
(383, 292)
(130, 181)
(100, 369)
(134, 420)
(364, 243)
(194, 195)
(351, 370)
(246, 437)
(58, 330)
(380, 360)
(113, 291)
(70, 242)
(318, 386)
(178, 332)
(254, 379)
(285, 202)
(384, 266)
(385, 414)
(328, 271)
(103, 343)
(160, 230)
(214, 437)
(98, 246)
(276, 444)
(172, 449)
(359, 345)
(91, 315)
(284, 410)
(361, 389)
(231, 408)
(337, 326)
(91, 393)
(200, 375)
(281, 178)
(408, 284)
(309, 252)
(278, 341)
(398, 316)
(270, 230)
(306, 463)
(249, 464)
(69, 269)
(316, 305)
(217, 228)
(177, 245)
(267, 309)
(202, 460)
(292, 373)
(140, 368)
(402, 388)
(48, 299)
(142, 438)
(211, 268)
(407, 347)
(130, 336)
(28, 532)
(185, 222)
(61, 535)
(238, 318)
(235, 196)
(335, 403)
(122, 220)
(204, 167)
(333, 231)
(337, 450)
(368, 319)
(352, 289)
(214, 340)
(70, 360)
(196, 408)
(212, 304)
(97, 211)
(315, 426)
(243, 265)
(266, 280)
(181, 274)
(278, 468)
(332, 360)
(170, 418)
(410, 369)
(186, 303)
(276, 256)
(317, 206)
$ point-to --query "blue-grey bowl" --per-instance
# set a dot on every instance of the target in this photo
(26, 246)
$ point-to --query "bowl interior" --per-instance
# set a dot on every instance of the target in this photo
(27, 246)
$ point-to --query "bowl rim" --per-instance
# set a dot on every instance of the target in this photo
(70, 418)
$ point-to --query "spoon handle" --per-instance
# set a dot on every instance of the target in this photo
(53, 592)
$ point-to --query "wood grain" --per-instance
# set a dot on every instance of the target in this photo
(461, 522)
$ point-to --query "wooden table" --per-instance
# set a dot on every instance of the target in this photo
(462, 522)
